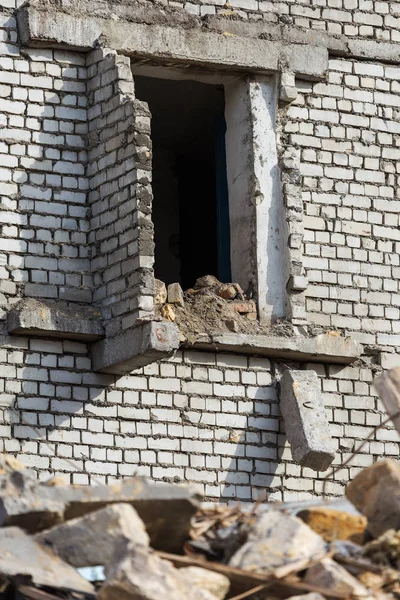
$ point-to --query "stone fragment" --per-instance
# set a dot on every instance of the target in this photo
(168, 312)
(375, 492)
(160, 296)
(333, 577)
(232, 325)
(306, 423)
(335, 524)
(244, 307)
(137, 574)
(206, 281)
(22, 558)
(175, 294)
(385, 550)
(91, 540)
(165, 509)
(215, 583)
(227, 291)
(277, 539)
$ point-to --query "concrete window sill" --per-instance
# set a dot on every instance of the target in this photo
(36, 318)
(329, 347)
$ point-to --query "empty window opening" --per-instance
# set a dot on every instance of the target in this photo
(190, 206)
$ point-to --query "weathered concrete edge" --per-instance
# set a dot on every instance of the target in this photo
(135, 347)
(41, 320)
(322, 348)
(196, 46)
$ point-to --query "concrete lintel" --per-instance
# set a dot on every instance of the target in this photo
(330, 348)
(135, 347)
(195, 46)
(36, 318)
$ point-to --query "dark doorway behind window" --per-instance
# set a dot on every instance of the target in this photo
(186, 117)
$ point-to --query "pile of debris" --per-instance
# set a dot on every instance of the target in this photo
(210, 307)
(136, 540)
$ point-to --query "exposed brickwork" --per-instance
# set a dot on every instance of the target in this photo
(354, 18)
(212, 419)
(202, 417)
(43, 216)
(120, 193)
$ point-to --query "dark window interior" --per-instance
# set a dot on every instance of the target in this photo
(189, 177)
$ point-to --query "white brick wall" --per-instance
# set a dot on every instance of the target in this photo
(209, 418)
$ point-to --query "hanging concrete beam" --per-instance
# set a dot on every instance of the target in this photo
(306, 422)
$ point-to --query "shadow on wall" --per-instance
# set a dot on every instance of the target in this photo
(46, 246)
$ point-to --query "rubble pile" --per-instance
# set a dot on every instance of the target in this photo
(210, 307)
(136, 540)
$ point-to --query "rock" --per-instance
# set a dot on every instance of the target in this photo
(137, 574)
(21, 558)
(330, 575)
(375, 492)
(168, 312)
(160, 295)
(385, 550)
(306, 422)
(175, 294)
(165, 509)
(206, 281)
(244, 307)
(277, 539)
(91, 540)
(232, 325)
(227, 291)
(335, 524)
(215, 583)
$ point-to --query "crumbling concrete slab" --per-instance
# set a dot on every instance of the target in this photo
(166, 510)
(324, 348)
(23, 560)
(306, 422)
(135, 347)
(92, 539)
(34, 317)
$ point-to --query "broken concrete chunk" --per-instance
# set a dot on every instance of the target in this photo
(91, 540)
(215, 583)
(232, 325)
(335, 524)
(160, 296)
(167, 311)
(306, 423)
(165, 509)
(333, 577)
(385, 550)
(227, 291)
(206, 281)
(21, 557)
(137, 574)
(175, 294)
(277, 539)
(376, 493)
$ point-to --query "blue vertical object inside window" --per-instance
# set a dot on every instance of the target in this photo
(223, 226)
